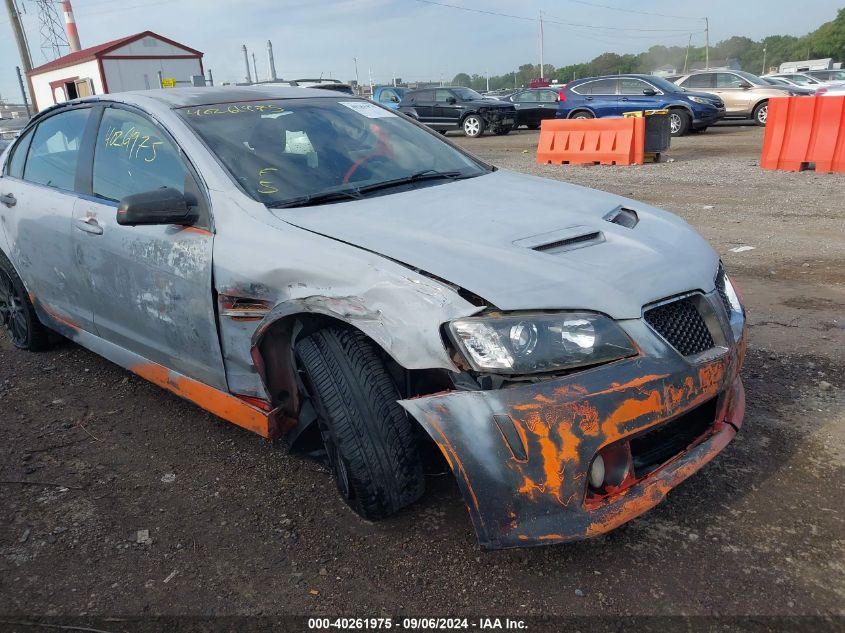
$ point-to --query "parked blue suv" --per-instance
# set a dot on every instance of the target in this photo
(611, 96)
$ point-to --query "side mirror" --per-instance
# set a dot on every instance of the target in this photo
(745, 86)
(394, 99)
(451, 100)
(649, 92)
(160, 206)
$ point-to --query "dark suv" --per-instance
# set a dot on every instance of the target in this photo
(458, 108)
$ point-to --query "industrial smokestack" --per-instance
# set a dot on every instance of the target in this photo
(272, 62)
(70, 27)
(246, 61)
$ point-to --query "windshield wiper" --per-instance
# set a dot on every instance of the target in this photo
(420, 176)
(356, 193)
(352, 193)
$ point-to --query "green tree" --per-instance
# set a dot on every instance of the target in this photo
(462, 79)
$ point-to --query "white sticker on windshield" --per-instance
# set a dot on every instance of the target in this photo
(369, 110)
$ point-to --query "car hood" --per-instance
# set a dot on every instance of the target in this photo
(523, 243)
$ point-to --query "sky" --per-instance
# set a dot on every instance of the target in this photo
(412, 39)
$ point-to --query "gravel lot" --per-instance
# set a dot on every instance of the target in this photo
(236, 526)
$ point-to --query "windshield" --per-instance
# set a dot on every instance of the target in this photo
(466, 94)
(664, 85)
(284, 151)
(753, 79)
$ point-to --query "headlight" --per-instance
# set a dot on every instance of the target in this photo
(731, 300)
(532, 343)
(701, 100)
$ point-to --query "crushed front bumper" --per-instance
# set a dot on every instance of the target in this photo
(521, 454)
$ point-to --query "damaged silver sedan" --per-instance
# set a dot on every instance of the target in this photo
(317, 268)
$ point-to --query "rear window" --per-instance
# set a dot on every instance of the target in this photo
(18, 158)
(54, 152)
(704, 80)
(599, 87)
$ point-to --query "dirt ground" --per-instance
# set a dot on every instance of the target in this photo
(236, 526)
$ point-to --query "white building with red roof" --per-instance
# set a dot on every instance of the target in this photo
(129, 63)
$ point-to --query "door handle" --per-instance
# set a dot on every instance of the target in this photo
(8, 199)
(624, 99)
(89, 225)
(588, 98)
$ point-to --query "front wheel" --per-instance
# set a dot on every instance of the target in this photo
(761, 113)
(583, 115)
(473, 126)
(17, 314)
(368, 437)
(679, 122)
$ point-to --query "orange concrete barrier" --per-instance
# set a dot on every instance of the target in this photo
(801, 131)
(610, 141)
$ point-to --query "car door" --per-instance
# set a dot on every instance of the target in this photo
(448, 109)
(389, 98)
(632, 95)
(39, 190)
(600, 96)
(151, 286)
(734, 91)
(423, 103)
(548, 100)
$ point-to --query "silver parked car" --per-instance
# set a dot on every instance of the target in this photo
(316, 267)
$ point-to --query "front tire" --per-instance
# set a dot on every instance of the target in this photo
(473, 126)
(368, 437)
(679, 122)
(17, 314)
(583, 114)
(761, 113)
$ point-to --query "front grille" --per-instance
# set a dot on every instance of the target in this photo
(680, 323)
(657, 446)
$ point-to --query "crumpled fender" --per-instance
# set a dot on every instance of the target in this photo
(526, 485)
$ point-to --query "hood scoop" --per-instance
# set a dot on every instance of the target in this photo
(562, 241)
(623, 217)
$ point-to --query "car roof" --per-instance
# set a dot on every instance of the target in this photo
(185, 97)
(622, 76)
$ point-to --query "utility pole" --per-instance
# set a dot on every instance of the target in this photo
(370, 73)
(255, 67)
(707, 43)
(487, 74)
(686, 57)
(210, 78)
(23, 92)
(541, 44)
(357, 83)
(764, 61)
(23, 48)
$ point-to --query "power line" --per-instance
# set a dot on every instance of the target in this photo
(557, 21)
(656, 15)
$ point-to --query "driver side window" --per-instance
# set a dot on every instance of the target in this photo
(133, 155)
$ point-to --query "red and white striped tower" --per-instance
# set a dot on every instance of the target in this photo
(70, 27)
